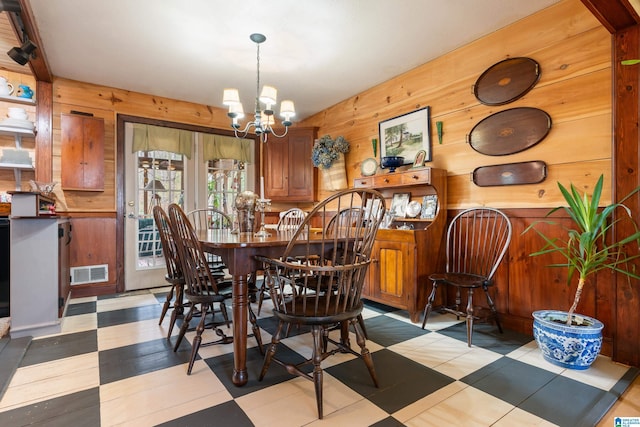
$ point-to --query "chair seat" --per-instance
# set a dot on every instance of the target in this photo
(462, 280)
(296, 312)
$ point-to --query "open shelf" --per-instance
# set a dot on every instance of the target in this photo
(9, 130)
(18, 99)
(15, 166)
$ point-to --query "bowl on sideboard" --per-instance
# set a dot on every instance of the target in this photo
(392, 162)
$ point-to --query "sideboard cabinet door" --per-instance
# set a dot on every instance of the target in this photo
(82, 153)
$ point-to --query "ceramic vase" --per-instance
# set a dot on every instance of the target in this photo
(572, 347)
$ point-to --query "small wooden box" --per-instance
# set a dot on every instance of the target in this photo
(5, 209)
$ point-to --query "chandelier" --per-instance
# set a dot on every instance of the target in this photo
(263, 117)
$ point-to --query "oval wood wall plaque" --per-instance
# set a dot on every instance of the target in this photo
(510, 174)
(507, 81)
(510, 131)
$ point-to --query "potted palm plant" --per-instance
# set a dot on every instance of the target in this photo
(568, 339)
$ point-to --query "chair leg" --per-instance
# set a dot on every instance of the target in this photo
(166, 305)
(493, 309)
(271, 351)
(316, 358)
(362, 326)
(225, 315)
(429, 306)
(178, 309)
(260, 297)
(469, 316)
(184, 326)
(365, 353)
(197, 340)
(255, 329)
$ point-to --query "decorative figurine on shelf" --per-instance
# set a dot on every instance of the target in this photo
(25, 91)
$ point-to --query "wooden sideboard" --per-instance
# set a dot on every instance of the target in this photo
(404, 258)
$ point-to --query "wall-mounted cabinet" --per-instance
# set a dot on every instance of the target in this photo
(82, 152)
(405, 253)
(289, 172)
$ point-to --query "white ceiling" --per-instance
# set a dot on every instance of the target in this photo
(317, 52)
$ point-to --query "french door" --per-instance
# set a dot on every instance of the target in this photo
(161, 178)
(152, 178)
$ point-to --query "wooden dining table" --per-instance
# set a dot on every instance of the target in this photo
(238, 251)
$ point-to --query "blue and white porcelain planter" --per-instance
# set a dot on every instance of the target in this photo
(572, 347)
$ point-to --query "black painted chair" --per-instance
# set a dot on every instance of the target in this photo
(201, 287)
(321, 288)
(477, 240)
(174, 274)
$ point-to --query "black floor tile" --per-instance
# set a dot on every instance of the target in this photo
(388, 422)
(228, 413)
(387, 331)
(401, 381)
(12, 351)
(377, 307)
(509, 380)
(128, 315)
(161, 297)
(564, 402)
(137, 359)
(222, 366)
(76, 409)
(81, 308)
(487, 336)
(60, 346)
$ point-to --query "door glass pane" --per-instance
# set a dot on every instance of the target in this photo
(160, 181)
(225, 179)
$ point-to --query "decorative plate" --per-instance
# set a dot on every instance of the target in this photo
(369, 167)
(507, 81)
(413, 209)
(509, 131)
(531, 172)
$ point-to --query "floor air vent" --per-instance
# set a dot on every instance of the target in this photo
(89, 274)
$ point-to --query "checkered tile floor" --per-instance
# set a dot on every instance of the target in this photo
(113, 365)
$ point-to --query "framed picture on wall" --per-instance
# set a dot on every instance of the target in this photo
(407, 135)
(399, 204)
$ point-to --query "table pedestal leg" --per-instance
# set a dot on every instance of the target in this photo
(239, 306)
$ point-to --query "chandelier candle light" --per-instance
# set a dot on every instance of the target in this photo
(263, 118)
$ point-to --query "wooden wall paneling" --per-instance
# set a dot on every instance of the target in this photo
(44, 136)
(557, 148)
(575, 54)
(119, 101)
(94, 243)
(626, 169)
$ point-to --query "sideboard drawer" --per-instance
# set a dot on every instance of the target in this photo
(364, 182)
(419, 176)
(381, 181)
